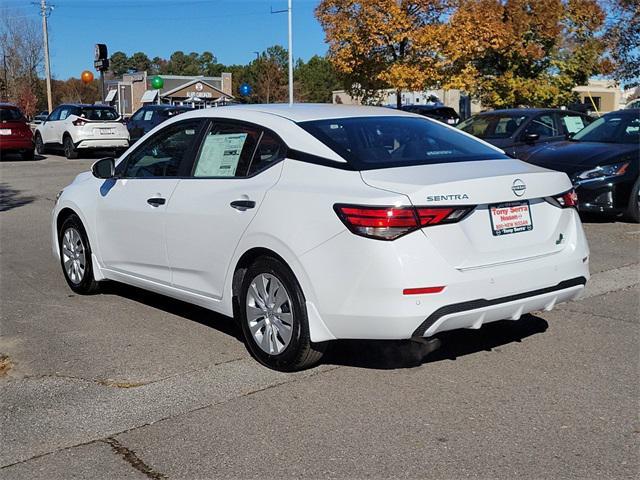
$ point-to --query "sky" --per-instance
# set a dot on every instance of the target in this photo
(231, 29)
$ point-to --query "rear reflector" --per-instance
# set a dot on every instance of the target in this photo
(422, 291)
(389, 223)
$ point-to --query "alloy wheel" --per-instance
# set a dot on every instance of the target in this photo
(269, 313)
(73, 255)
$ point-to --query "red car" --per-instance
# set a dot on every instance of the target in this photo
(15, 134)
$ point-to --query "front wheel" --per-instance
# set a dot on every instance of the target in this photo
(633, 210)
(274, 317)
(40, 148)
(75, 256)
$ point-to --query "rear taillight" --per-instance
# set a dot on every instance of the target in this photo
(389, 223)
(564, 200)
(79, 122)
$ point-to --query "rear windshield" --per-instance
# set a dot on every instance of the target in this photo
(98, 113)
(492, 126)
(10, 114)
(386, 142)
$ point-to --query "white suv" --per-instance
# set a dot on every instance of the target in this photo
(77, 127)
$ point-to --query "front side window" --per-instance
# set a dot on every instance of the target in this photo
(226, 151)
(543, 126)
(573, 123)
(386, 142)
(55, 115)
(138, 115)
(163, 154)
(492, 126)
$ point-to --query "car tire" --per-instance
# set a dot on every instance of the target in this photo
(69, 148)
(28, 155)
(266, 325)
(75, 256)
(633, 210)
(40, 148)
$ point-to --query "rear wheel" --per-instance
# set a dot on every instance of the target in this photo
(69, 148)
(75, 256)
(40, 148)
(633, 210)
(274, 317)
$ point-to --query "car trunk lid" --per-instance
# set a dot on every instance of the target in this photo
(511, 220)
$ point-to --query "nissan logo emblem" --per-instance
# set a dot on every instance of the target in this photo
(518, 187)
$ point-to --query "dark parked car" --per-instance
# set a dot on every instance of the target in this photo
(149, 116)
(438, 112)
(15, 133)
(40, 117)
(602, 161)
(519, 130)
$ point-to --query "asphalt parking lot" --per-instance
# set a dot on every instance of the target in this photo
(128, 384)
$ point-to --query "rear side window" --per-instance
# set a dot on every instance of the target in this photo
(543, 125)
(386, 142)
(270, 150)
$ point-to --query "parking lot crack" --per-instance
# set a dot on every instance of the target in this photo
(132, 459)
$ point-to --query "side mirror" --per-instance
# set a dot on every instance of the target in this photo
(104, 168)
(531, 138)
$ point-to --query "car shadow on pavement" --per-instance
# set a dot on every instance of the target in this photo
(392, 354)
(11, 198)
(16, 157)
(601, 218)
(170, 305)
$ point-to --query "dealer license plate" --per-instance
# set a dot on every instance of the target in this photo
(5, 131)
(512, 217)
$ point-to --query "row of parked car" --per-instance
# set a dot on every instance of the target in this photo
(76, 128)
(601, 156)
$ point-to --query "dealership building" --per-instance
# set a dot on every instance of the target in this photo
(134, 90)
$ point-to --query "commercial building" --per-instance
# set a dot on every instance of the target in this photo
(601, 95)
(134, 90)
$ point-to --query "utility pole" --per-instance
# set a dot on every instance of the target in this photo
(44, 10)
(288, 10)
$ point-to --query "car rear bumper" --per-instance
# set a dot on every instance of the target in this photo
(9, 144)
(358, 286)
(105, 143)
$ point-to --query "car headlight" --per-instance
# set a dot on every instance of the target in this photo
(603, 171)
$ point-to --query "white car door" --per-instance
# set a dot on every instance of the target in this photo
(48, 128)
(59, 126)
(130, 217)
(210, 211)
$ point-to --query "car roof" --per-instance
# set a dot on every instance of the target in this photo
(302, 112)
(8, 105)
(625, 111)
(526, 111)
(167, 107)
(85, 105)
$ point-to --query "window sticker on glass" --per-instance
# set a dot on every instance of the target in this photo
(220, 155)
(147, 115)
(573, 124)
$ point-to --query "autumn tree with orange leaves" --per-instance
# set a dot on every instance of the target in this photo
(504, 52)
(378, 43)
(524, 52)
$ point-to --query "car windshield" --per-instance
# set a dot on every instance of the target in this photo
(10, 114)
(492, 125)
(611, 129)
(386, 142)
(98, 113)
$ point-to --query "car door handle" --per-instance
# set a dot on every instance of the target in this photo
(243, 205)
(156, 201)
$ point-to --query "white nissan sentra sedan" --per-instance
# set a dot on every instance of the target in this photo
(311, 223)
